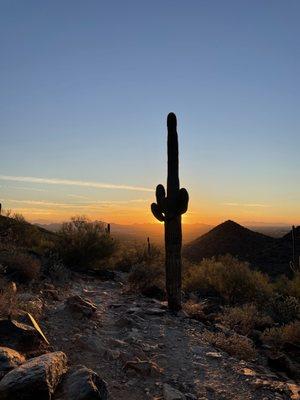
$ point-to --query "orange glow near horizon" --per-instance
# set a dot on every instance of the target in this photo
(142, 214)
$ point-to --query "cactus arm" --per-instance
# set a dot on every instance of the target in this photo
(161, 198)
(157, 212)
(182, 201)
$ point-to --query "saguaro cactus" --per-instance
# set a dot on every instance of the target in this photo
(168, 209)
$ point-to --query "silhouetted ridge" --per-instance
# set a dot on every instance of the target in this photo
(271, 255)
(228, 237)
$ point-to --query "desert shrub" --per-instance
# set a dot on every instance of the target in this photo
(294, 286)
(82, 243)
(146, 275)
(16, 230)
(230, 278)
(21, 266)
(288, 287)
(58, 273)
(7, 298)
(236, 345)
(129, 255)
(194, 310)
(14, 304)
(283, 309)
(244, 319)
(279, 336)
(28, 303)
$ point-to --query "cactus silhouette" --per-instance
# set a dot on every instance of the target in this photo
(168, 209)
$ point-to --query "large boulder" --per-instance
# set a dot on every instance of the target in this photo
(35, 379)
(80, 306)
(20, 336)
(9, 359)
(171, 393)
(82, 383)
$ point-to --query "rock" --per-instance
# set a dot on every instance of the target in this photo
(172, 394)
(145, 368)
(124, 322)
(283, 363)
(35, 379)
(82, 383)
(19, 336)
(155, 311)
(81, 306)
(51, 294)
(198, 350)
(214, 354)
(9, 359)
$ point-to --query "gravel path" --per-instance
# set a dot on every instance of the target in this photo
(137, 346)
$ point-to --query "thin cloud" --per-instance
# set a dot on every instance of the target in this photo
(84, 205)
(257, 205)
(31, 189)
(77, 196)
(69, 182)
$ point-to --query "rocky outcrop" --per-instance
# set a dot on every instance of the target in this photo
(82, 383)
(9, 359)
(20, 336)
(35, 379)
(80, 306)
(172, 394)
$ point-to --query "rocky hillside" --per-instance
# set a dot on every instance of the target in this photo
(105, 343)
(271, 255)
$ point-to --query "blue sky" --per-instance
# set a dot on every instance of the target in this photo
(85, 88)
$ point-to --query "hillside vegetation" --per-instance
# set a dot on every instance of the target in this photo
(117, 294)
(268, 254)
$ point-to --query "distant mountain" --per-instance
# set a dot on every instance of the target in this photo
(142, 231)
(269, 254)
(228, 237)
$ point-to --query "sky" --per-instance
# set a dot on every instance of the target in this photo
(86, 86)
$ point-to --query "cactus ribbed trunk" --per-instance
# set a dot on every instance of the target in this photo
(173, 239)
(168, 209)
(173, 234)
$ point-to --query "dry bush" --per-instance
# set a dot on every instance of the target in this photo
(194, 310)
(288, 287)
(236, 345)
(294, 286)
(21, 266)
(283, 309)
(82, 243)
(14, 304)
(130, 254)
(58, 273)
(279, 336)
(29, 303)
(7, 298)
(230, 278)
(146, 275)
(244, 319)
(16, 230)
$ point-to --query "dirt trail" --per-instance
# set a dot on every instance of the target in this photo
(137, 346)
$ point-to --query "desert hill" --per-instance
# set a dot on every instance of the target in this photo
(269, 254)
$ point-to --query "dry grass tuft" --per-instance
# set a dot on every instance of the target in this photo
(244, 319)
(236, 345)
(194, 310)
